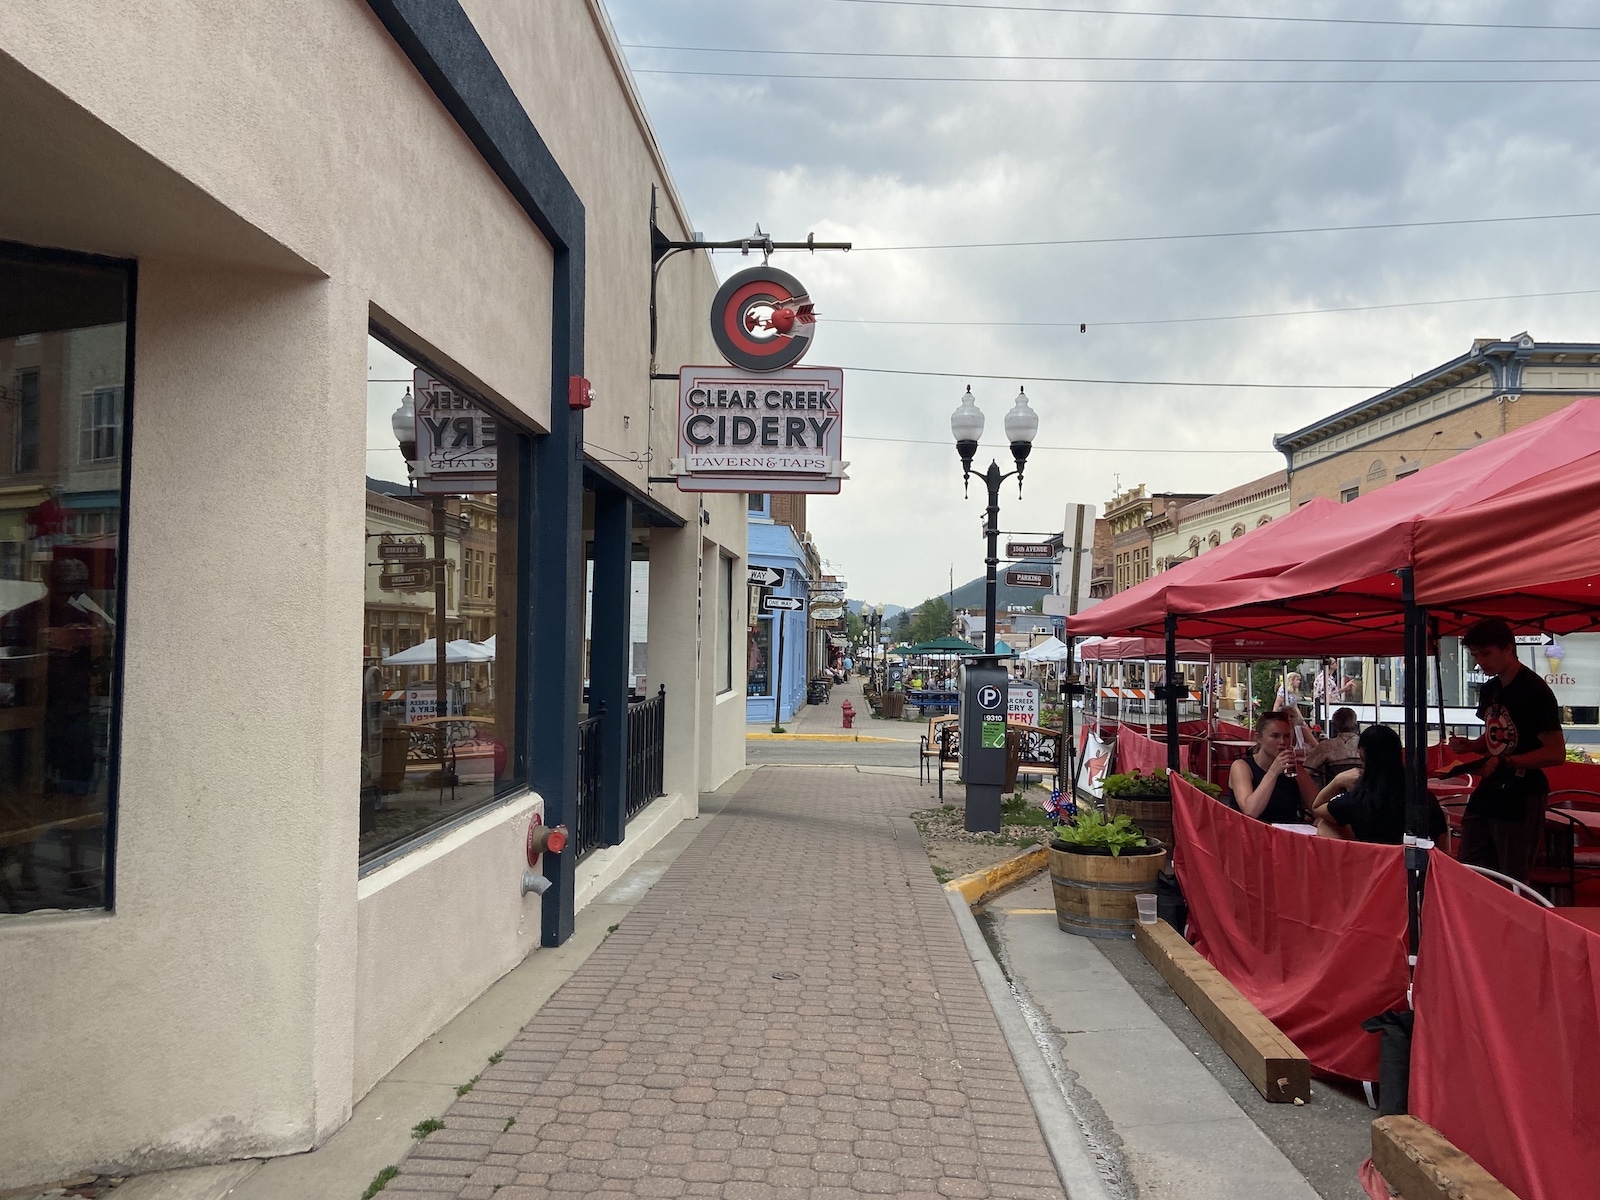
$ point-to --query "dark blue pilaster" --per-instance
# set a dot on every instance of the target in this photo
(442, 44)
(610, 644)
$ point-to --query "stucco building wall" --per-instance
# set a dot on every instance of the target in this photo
(284, 177)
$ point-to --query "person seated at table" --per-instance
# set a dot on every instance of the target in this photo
(1368, 803)
(1271, 783)
(1327, 758)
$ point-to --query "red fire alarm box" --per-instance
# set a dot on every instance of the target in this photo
(580, 392)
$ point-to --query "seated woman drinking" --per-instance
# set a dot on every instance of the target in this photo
(1271, 783)
(1368, 803)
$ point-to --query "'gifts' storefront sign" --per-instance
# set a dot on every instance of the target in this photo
(761, 424)
(780, 431)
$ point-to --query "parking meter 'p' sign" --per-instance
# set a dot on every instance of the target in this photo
(989, 697)
(762, 319)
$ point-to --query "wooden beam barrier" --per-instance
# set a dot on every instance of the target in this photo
(1269, 1060)
(1415, 1158)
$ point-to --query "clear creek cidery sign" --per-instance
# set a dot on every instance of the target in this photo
(778, 431)
(762, 423)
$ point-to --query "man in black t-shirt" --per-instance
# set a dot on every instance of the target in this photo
(1504, 821)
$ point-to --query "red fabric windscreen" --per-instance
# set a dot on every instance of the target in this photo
(1505, 1058)
(1135, 752)
(1312, 930)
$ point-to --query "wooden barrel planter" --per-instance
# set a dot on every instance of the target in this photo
(1094, 891)
(1153, 814)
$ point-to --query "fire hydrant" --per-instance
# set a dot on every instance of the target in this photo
(849, 711)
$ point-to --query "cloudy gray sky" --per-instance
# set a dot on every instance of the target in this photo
(917, 162)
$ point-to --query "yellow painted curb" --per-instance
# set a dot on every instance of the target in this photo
(976, 886)
(815, 737)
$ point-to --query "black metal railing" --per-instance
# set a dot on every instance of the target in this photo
(590, 833)
(647, 733)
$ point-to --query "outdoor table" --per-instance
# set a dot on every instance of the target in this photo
(926, 698)
(1449, 789)
(1588, 818)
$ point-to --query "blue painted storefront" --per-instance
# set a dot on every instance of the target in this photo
(775, 545)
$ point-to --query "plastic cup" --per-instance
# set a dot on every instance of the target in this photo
(1147, 907)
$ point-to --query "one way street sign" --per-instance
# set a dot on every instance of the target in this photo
(781, 604)
(766, 576)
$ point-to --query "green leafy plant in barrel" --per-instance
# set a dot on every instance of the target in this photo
(1134, 785)
(1090, 831)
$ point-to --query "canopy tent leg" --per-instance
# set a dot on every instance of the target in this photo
(1068, 785)
(1209, 690)
(1170, 691)
(1438, 675)
(1416, 748)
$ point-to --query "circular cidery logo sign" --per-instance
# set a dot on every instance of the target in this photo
(762, 319)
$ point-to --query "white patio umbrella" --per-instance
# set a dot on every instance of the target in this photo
(423, 654)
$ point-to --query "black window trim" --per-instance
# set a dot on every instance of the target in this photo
(515, 449)
(129, 267)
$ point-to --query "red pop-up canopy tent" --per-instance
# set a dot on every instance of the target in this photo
(1506, 529)
(1142, 611)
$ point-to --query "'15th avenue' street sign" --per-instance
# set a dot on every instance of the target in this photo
(1029, 579)
(1030, 550)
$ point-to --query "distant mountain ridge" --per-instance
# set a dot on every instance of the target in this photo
(969, 595)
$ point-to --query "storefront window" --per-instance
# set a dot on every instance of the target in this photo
(724, 623)
(63, 373)
(428, 762)
(758, 677)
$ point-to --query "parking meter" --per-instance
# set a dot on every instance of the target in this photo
(983, 739)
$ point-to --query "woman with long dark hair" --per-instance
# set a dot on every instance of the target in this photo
(1368, 803)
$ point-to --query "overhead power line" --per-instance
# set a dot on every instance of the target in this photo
(1075, 10)
(1183, 383)
(1476, 60)
(1463, 81)
(1296, 312)
(1232, 233)
(947, 444)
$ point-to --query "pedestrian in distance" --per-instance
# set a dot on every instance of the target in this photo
(1504, 820)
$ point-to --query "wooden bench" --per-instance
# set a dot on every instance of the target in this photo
(1269, 1060)
(1037, 750)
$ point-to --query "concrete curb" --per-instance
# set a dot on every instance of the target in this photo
(982, 884)
(1063, 1136)
(814, 737)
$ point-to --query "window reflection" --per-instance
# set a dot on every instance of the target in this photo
(758, 678)
(63, 360)
(425, 765)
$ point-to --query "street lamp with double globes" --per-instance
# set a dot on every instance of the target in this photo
(1022, 426)
(404, 425)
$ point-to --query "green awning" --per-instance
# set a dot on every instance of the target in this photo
(944, 645)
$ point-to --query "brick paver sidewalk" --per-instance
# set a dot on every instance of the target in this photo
(789, 1013)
